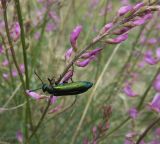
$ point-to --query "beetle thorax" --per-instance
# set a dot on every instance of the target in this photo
(48, 88)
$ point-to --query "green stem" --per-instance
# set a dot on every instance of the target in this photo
(23, 41)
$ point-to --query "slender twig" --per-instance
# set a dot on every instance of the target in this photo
(147, 130)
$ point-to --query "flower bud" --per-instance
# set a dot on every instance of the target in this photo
(118, 39)
(123, 10)
(74, 36)
(68, 53)
(15, 31)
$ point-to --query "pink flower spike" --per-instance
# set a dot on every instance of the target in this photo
(74, 36)
(15, 31)
(118, 39)
(133, 113)
(156, 84)
(1, 49)
(67, 76)
(123, 10)
(34, 95)
(138, 6)
(128, 91)
(155, 104)
(5, 62)
(19, 136)
(68, 53)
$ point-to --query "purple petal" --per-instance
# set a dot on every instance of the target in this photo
(5, 76)
(67, 76)
(14, 73)
(133, 113)
(22, 68)
(91, 53)
(148, 57)
(156, 84)
(34, 95)
(123, 10)
(56, 109)
(155, 104)
(19, 136)
(128, 91)
(53, 99)
(15, 31)
(118, 39)
(1, 49)
(106, 28)
(83, 63)
(138, 6)
(68, 53)
(5, 62)
(74, 36)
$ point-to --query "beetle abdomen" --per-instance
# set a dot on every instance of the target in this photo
(72, 88)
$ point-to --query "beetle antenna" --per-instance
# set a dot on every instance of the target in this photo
(34, 90)
(38, 77)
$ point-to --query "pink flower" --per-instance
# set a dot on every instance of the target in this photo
(67, 76)
(34, 95)
(22, 68)
(152, 41)
(74, 36)
(148, 57)
(133, 113)
(91, 53)
(50, 27)
(1, 49)
(53, 15)
(118, 39)
(15, 31)
(5, 62)
(155, 104)
(156, 83)
(5, 76)
(123, 10)
(19, 136)
(37, 35)
(14, 73)
(68, 53)
(128, 90)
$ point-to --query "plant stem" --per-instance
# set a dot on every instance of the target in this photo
(41, 119)
(147, 130)
(10, 43)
